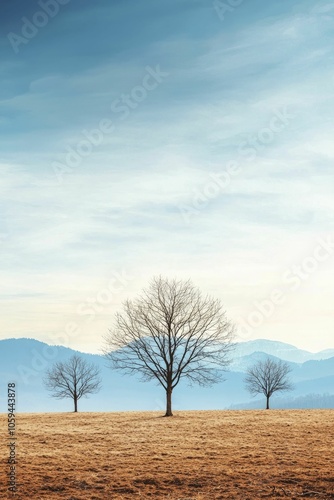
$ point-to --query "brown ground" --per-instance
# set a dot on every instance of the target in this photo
(200, 455)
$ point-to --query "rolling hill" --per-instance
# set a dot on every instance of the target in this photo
(25, 361)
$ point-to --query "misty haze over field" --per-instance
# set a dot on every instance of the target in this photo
(25, 361)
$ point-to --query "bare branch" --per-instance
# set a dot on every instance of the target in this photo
(267, 377)
(171, 332)
(73, 379)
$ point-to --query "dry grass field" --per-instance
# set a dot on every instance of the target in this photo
(200, 455)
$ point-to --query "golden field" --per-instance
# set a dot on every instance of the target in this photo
(200, 455)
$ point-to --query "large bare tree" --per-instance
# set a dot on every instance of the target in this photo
(73, 379)
(267, 377)
(171, 332)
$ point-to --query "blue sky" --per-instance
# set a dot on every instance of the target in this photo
(250, 85)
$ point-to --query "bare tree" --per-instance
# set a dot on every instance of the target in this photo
(73, 379)
(267, 377)
(171, 332)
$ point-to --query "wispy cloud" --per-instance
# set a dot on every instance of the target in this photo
(119, 208)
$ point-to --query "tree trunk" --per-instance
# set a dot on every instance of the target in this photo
(169, 403)
(75, 405)
(267, 407)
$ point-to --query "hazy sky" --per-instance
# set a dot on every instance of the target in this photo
(187, 138)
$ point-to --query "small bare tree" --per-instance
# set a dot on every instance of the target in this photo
(267, 377)
(171, 332)
(73, 379)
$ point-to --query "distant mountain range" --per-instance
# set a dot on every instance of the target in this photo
(25, 361)
(280, 350)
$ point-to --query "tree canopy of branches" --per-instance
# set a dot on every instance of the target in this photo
(267, 377)
(73, 379)
(171, 332)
